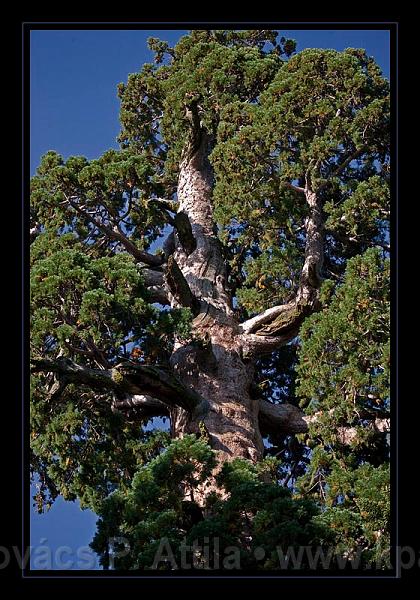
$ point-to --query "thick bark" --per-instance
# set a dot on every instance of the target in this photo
(179, 288)
(215, 369)
(213, 364)
(201, 260)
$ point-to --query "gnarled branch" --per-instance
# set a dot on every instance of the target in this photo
(292, 186)
(281, 418)
(169, 205)
(185, 234)
(155, 284)
(289, 419)
(179, 287)
(278, 325)
(126, 378)
(252, 325)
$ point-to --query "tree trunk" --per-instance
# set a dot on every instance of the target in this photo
(219, 363)
(217, 372)
(212, 364)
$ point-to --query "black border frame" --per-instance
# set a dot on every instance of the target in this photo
(27, 25)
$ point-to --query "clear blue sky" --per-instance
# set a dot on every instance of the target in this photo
(74, 110)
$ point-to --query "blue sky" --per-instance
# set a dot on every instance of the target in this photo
(74, 74)
(74, 110)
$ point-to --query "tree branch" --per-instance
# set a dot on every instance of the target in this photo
(310, 278)
(117, 235)
(179, 287)
(126, 378)
(169, 205)
(155, 284)
(185, 234)
(289, 419)
(258, 345)
(267, 316)
(342, 166)
(281, 418)
(146, 406)
(282, 322)
(151, 277)
(295, 188)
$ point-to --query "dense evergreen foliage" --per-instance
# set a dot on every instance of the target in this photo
(277, 120)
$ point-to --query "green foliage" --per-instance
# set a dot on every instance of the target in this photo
(77, 300)
(343, 375)
(107, 187)
(152, 507)
(216, 67)
(80, 304)
(80, 449)
(271, 276)
(344, 360)
(257, 514)
(361, 216)
(361, 516)
(321, 108)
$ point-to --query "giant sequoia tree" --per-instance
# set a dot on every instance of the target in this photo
(226, 271)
